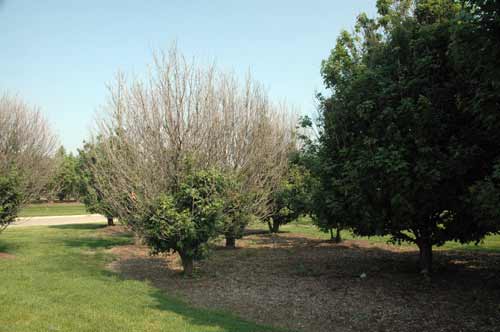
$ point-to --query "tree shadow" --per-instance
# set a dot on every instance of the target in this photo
(95, 240)
(204, 318)
(98, 243)
(79, 226)
(8, 248)
(248, 232)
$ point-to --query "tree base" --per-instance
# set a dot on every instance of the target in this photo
(425, 257)
(230, 242)
(187, 266)
(274, 227)
(337, 238)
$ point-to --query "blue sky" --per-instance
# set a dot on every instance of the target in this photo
(61, 54)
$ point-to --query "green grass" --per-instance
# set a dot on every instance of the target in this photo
(303, 226)
(57, 281)
(53, 209)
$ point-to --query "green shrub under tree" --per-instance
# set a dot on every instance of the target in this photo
(186, 220)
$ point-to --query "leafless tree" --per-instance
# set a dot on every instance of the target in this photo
(188, 116)
(26, 145)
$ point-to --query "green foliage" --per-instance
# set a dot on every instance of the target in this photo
(292, 198)
(410, 145)
(331, 203)
(186, 220)
(65, 181)
(93, 198)
(236, 211)
(10, 199)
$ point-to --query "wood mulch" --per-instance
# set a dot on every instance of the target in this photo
(305, 284)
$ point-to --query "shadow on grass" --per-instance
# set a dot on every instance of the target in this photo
(98, 243)
(80, 226)
(7, 248)
(204, 318)
(95, 240)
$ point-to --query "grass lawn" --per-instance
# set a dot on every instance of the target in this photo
(54, 279)
(53, 209)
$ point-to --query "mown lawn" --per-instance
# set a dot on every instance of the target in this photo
(53, 209)
(54, 279)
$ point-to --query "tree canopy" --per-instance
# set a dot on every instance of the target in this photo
(409, 133)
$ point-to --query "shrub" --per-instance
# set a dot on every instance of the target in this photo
(185, 221)
(10, 199)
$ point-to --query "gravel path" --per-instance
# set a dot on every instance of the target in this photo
(58, 220)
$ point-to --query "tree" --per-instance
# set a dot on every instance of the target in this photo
(410, 129)
(331, 203)
(65, 182)
(93, 197)
(26, 151)
(186, 220)
(188, 117)
(237, 212)
(291, 199)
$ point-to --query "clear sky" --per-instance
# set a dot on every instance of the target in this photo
(60, 54)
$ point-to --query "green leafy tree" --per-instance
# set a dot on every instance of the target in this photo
(236, 212)
(410, 133)
(331, 203)
(94, 199)
(65, 181)
(291, 199)
(10, 199)
(186, 220)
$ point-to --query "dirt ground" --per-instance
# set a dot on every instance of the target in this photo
(306, 284)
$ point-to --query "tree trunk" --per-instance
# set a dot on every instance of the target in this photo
(110, 221)
(187, 264)
(338, 237)
(275, 227)
(230, 242)
(425, 259)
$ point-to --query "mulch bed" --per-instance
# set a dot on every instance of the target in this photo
(305, 284)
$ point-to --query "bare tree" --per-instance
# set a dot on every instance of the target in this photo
(188, 116)
(26, 147)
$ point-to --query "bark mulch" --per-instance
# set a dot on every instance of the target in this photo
(305, 284)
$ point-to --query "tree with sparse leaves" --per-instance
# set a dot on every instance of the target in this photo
(26, 156)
